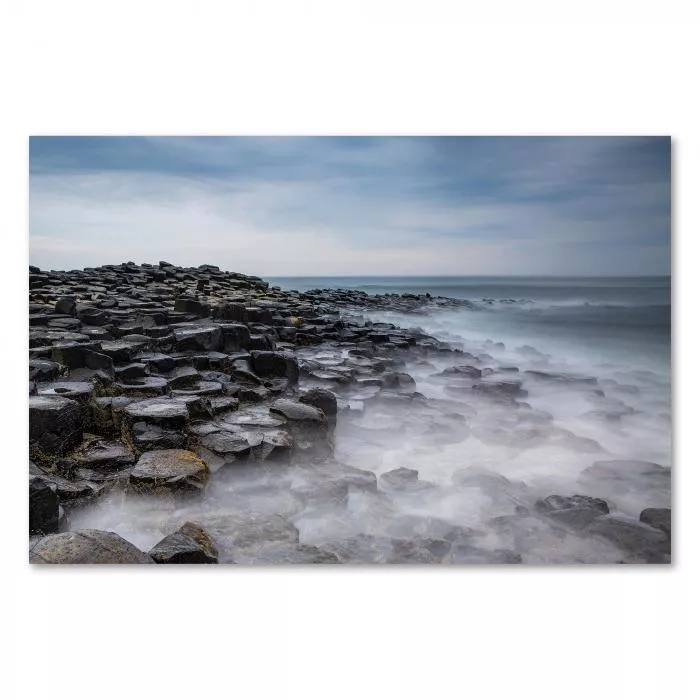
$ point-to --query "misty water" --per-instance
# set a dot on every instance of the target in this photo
(594, 357)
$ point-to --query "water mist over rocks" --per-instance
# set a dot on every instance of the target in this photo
(190, 415)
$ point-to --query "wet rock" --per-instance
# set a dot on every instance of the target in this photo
(298, 412)
(660, 518)
(322, 399)
(275, 364)
(93, 317)
(639, 540)
(180, 469)
(229, 312)
(78, 391)
(86, 547)
(133, 370)
(143, 387)
(44, 508)
(499, 390)
(55, 424)
(198, 338)
(189, 545)
(44, 370)
(462, 371)
(229, 447)
(574, 511)
(70, 353)
(97, 360)
(146, 436)
(192, 306)
(105, 454)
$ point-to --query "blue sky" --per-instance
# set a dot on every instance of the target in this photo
(275, 206)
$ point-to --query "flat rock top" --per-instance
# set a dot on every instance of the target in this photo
(167, 464)
(49, 402)
(158, 408)
(86, 547)
(297, 411)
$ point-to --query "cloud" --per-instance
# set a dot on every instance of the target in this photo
(321, 206)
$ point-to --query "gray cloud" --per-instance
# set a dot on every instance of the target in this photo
(304, 206)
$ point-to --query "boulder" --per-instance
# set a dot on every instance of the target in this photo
(86, 547)
(191, 544)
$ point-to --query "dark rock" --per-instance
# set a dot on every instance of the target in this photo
(659, 518)
(637, 539)
(275, 364)
(44, 370)
(93, 316)
(298, 412)
(86, 547)
(179, 469)
(134, 370)
(198, 338)
(500, 390)
(575, 511)
(189, 545)
(55, 424)
(462, 371)
(65, 305)
(44, 507)
(192, 306)
(322, 399)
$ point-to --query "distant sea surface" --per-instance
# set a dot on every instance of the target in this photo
(629, 316)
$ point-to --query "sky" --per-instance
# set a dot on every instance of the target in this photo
(315, 206)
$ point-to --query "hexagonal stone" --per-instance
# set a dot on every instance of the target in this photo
(163, 412)
(54, 424)
(322, 399)
(79, 391)
(144, 386)
(105, 454)
(43, 370)
(275, 364)
(44, 507)
(171, 468)
(198, 338)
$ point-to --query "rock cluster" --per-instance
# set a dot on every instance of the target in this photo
(156, 379)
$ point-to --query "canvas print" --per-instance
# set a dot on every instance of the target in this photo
(362, 350)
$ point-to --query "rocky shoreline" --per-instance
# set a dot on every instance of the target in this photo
(153, 384)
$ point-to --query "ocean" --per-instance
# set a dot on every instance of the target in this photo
(586, 317)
